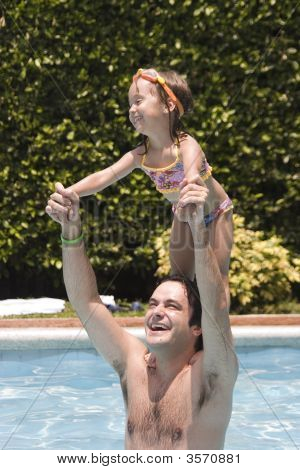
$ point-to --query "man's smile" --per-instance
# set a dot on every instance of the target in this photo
(158, 326)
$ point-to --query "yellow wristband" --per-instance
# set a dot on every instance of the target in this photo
(71, 242)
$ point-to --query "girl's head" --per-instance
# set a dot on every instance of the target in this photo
(173, 92)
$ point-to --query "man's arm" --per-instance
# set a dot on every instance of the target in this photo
(112, 341)
(219, 357)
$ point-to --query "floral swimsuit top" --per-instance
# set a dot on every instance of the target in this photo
(168, 179)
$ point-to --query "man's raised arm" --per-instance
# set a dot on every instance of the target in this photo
(219, 355)
(108, 337)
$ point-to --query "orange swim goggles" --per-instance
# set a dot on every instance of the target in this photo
(158, 79)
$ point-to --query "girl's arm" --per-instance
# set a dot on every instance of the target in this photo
(192, 157)
(104, 178)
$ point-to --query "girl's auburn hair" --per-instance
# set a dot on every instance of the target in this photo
(179, 87)
(182, 91)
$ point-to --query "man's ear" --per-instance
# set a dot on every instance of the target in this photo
(196, 330)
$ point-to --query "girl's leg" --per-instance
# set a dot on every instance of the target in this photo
(221, 241)
(182, 249)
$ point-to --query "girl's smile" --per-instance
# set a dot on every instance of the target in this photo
(145, 106)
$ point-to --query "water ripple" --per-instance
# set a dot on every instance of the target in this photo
(79, 406)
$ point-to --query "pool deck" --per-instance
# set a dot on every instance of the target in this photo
(68, 333)
(235, 320)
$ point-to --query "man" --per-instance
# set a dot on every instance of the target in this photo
(177, 394)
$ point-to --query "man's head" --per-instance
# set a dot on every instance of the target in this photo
(174, 314)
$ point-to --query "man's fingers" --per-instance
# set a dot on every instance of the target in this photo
(60, 199)
(183, 183)
(192, 199)
(56, 207)
(67, 193)
(194, 187)
(200, 194)
(63, 204)
(61, 190)
(53, 214)
(59, 187)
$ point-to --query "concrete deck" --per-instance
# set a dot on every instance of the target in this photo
(235, 320)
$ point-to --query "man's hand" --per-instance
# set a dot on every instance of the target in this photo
(63, 207)
(190, 207)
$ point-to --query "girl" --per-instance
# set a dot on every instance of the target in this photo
(168, 156)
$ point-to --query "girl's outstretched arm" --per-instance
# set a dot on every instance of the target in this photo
(102, 179)
(192, 157)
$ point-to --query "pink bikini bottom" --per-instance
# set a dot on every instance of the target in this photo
(225, 206)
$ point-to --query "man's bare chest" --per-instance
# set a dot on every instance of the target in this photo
(159, 415)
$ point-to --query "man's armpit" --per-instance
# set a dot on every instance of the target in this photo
(209, 388)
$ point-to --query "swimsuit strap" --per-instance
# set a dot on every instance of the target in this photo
(143, 159)
(177, 152)
(145, 154)
(177, 159)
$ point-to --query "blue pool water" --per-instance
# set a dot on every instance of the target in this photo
(58, 400)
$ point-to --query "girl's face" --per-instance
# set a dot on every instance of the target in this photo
(146, 111)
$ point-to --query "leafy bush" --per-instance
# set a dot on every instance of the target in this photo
(261, 271)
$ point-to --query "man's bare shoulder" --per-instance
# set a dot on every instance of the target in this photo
(138, 357)
(135, 371)
(135, 352)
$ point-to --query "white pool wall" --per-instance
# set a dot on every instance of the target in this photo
(77, 338)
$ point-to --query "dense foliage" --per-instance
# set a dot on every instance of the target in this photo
(65, 71)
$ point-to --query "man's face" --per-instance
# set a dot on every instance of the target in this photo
(167, 318)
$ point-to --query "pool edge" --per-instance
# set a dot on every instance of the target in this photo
(77, 338)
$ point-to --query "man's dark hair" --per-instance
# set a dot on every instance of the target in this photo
(194, 302)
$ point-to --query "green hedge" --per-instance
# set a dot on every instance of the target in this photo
(65, 71)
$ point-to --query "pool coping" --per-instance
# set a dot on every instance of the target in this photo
(69, 338)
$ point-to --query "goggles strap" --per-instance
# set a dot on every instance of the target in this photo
(158, 79)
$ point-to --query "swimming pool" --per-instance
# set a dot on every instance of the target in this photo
(52, 399)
